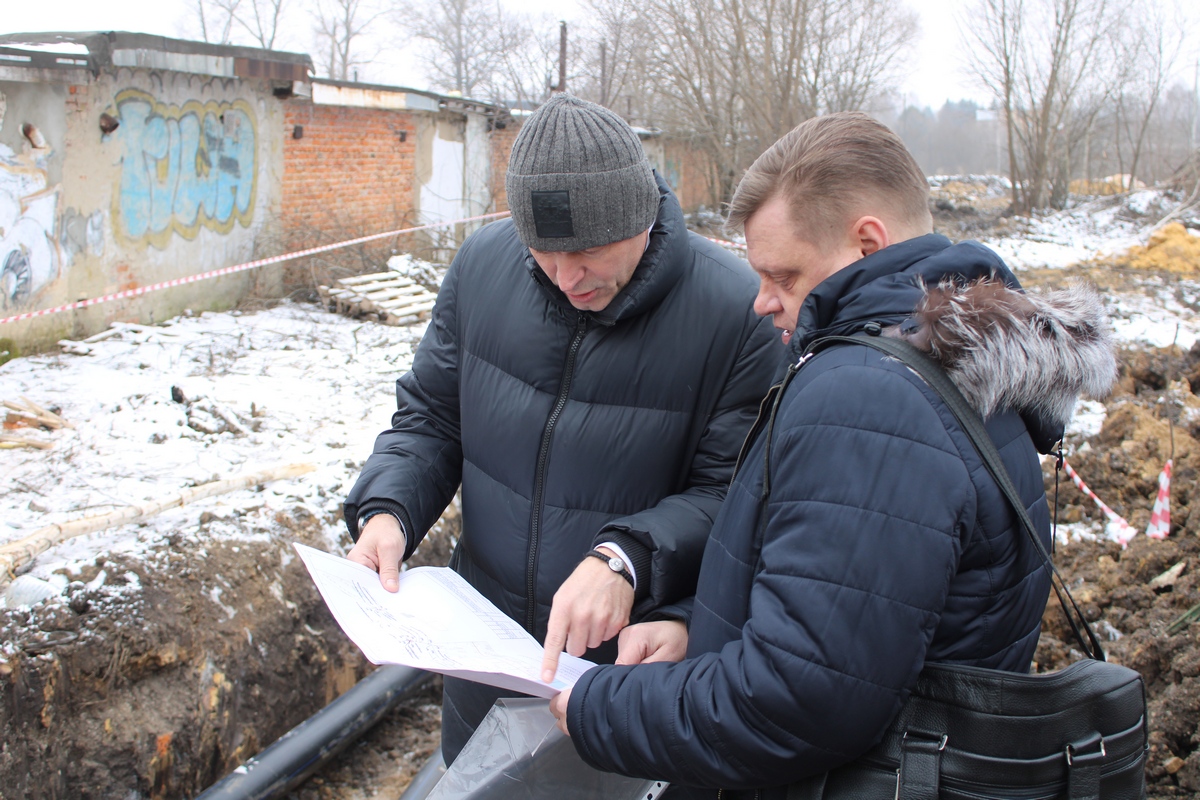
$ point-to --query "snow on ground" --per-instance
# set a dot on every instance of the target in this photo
(1090, 230)
(1158, 314)
(305, 385)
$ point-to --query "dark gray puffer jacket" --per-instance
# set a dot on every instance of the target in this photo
(567, 428)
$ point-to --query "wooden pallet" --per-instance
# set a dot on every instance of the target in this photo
(388, 297)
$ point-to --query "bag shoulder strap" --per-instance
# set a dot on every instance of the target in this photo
(937, 379)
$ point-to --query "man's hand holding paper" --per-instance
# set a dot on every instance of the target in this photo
(435, 621)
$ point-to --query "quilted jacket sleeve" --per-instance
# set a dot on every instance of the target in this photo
(868, 504)
(416, 466)
(675, 530)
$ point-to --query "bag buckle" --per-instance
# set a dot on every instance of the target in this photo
(1085, 752)
(941, 744)
(920, 770)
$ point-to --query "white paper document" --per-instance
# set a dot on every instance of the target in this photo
(436, 621)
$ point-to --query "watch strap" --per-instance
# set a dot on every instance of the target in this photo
(615, 564)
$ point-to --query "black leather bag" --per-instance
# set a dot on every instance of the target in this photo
(968, 733)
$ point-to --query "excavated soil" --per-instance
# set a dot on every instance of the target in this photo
(183, 664)
(1137, 597)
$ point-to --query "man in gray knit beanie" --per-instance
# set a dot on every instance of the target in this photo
(588, 375)
(583, 198)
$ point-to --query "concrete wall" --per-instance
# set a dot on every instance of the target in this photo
(185, 183)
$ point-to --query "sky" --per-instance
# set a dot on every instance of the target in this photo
(935, 72)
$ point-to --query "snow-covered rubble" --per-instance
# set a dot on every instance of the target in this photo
(1158, 314)
(1090, 230)
(195, 400)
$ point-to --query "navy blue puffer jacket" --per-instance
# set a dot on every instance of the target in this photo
(882, 544)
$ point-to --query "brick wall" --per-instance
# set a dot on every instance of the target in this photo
(501, 142)
(351, 173)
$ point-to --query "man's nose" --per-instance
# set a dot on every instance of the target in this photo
(569, 272)
(766, 303)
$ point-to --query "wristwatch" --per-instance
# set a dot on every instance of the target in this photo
(363, 518)
(614, 563)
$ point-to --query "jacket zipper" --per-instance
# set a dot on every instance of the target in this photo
(539, 484)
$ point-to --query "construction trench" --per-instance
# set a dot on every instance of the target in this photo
(158, 674)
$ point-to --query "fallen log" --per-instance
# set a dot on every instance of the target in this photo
(21, 441)
(46, 414)
(16, 554)
(35, 412)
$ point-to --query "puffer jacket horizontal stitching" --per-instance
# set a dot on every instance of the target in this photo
(798, 429)
(845, 587)
(799, 501)
(502, 343)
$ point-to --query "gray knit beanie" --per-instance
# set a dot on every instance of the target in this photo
(578, 178)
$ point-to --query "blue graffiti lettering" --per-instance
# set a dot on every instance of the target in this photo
(184, 167)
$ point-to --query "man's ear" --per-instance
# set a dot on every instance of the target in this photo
(870, 235)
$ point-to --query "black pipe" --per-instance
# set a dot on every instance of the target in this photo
(424, 781)
(307, 747)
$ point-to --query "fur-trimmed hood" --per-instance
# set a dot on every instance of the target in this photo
(1033, 352)
(1029, 351)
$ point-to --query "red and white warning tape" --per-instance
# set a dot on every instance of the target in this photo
(1119, 529)
(262, 262)
(1160, 517)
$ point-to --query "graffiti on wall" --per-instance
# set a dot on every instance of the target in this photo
(30, 256)
(184, 167)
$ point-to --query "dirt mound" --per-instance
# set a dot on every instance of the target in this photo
(1133, 596)
(1171, 248)
(969, 206)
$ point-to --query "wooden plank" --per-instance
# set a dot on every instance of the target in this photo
(400, 291)
(22, 441)
(410, 311)
(404, 302)
(374, 276)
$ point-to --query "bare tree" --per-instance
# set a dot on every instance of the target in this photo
(738, 74)
(460, 53)
(529, 48)
(995, 26)
(1053, 64)
(340, 25)
(260, 19)
(1155, 43)
(216, 19)
(615, 51)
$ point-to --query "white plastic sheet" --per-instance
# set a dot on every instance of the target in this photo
(517, 753)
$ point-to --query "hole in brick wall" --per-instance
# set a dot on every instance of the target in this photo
(298, 132)
(403, 137)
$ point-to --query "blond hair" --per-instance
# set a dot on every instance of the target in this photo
(832, 169)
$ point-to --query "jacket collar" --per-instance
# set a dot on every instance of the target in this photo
(885, 286)
(657, 273)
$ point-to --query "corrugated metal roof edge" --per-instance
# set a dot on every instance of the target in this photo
(101, 44)
(447, 99)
